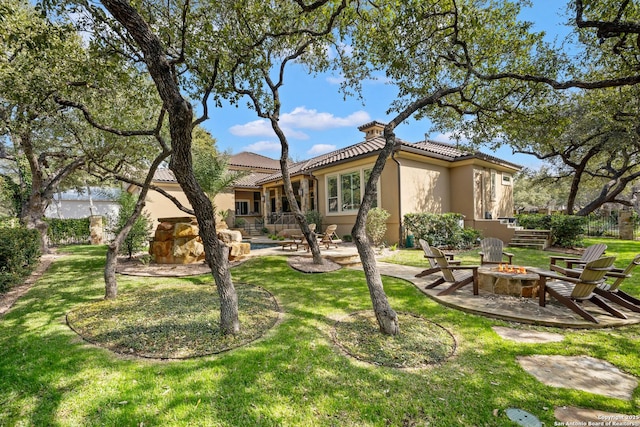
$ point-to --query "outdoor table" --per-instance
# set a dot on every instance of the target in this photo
(517, 284)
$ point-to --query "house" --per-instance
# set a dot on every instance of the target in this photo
(425, 176)
(82, 204)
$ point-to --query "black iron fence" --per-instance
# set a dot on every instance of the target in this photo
(608, 225)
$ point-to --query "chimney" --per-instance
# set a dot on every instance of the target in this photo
(372, 130)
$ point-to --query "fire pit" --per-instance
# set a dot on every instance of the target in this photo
(508, 280)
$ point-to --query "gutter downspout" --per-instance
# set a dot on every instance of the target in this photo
(393, 157)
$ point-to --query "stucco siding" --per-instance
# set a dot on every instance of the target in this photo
(158, 206)
(425, 187)
(462, 192)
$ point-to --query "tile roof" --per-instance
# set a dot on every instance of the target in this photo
(369, 147)
(253, 160)
(251, 180)
(164, 175)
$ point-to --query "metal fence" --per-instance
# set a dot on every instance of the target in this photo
(607, 225)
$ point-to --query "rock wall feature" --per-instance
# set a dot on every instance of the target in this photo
(177, 241)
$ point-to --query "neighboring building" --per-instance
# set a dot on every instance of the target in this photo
(82, 204)
(426, 176)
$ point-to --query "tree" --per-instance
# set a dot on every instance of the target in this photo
(210, 166)
(138, 236)
(259, 72)
(41, 63)
(427, 50)
(590, 140)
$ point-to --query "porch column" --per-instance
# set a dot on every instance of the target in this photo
(304, 197)
(278, 200)
(266, 206)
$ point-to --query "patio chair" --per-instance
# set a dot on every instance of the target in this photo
(570, 291)
(432, 261)
(455, 275)
(329, 237)
(591, 253)
(612, 291)
(492, 251)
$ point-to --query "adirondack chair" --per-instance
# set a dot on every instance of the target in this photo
(433, 265)
(591, 253)
(571, 290)
(492, 251)
(454, 275)
(612, 291)
(329, 237)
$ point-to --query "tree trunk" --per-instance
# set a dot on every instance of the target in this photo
(110, 281)
(309, 235)
(387, 318)
(180, 126)
(32, 216)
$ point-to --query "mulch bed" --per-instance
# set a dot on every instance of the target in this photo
(306, 265)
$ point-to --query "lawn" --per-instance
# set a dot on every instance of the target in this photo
(294, 374)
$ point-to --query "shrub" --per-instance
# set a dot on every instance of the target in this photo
(441, 230)
(68, 231)
(376, 225)
(19, 254)
(567, 230)
(314, 217)
(138, 236)
(534, 221)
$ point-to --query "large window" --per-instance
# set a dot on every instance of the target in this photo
(242, 207)
(350, 186)
(345, 191)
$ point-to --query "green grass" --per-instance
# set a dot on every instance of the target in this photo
(294, 375)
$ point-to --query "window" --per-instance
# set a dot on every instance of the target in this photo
(332, 193)
(506, 179)
(345, 191)
(350, 186)
(493, 185)
(242, 207)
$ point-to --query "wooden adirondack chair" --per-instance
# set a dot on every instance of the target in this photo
(492, 251)
(571, 290)
(433, 264)
(612, 291)
(455, 275)
(329, 237)
(591, 253)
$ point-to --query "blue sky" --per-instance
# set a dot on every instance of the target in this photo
(317, 119)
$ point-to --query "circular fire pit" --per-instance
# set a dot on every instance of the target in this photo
(515, 281)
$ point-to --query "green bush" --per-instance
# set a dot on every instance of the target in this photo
(314, 217)
(441, 230)
(9, 222)
(19, 254)
(138, 237)
(534, 221)
(68, 231)
(567, 230)
(376, 225)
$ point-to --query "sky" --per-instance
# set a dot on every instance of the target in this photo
(318, 119)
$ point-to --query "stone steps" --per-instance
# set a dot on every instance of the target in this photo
(534, 239)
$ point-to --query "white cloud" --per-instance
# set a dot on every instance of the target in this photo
(263, 146)
(301, 118)
(448, 137)
(335, 80)
(318, 149)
